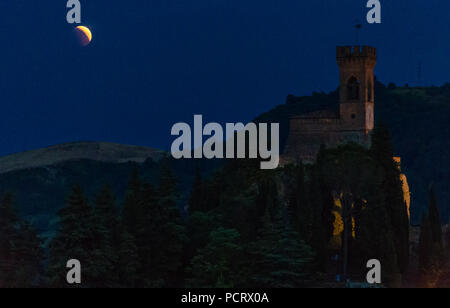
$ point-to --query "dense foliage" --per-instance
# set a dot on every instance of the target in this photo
(300, 225)
(177, 223)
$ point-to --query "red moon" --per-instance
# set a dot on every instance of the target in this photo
(84, 35)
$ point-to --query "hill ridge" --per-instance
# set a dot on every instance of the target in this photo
(70, 151)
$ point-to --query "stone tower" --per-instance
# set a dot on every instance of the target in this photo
(354, 120)
(356, 66)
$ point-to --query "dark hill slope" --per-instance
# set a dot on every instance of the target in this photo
(41, 180)
(98, 151)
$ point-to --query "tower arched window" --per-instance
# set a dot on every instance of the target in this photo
(353, 89)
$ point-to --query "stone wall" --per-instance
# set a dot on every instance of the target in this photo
(307, 135)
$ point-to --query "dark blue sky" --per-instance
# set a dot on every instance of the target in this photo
(156, 62)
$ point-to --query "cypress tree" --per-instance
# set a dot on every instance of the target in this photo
(435, 220)
(375, 238)
(425, 245)
(319, 214)
(431, 246)
(267, 199)
(447, 242)
(299, 207)
(382, 151)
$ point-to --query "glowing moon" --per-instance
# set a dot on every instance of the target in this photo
(84, 35)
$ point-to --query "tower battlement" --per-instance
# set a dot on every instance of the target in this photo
(354, 53)
(355, 119)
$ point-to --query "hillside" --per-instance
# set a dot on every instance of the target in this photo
(98, 151)
(41, 180)
(418, 120)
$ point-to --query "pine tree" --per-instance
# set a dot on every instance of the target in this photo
(29, 256)
(197, 198)
(166, 234)
(279, 258)
(21, 253)
(132, 212)
(128, 262)
(216, 265)
(8, 235)
(105, 211)
(199, 227)
(105, 235)
(74, 240)
(147, 233)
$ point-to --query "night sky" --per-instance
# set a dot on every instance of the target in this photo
(153, 63)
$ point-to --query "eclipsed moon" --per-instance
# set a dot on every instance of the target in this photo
(84, 35)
